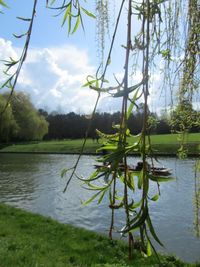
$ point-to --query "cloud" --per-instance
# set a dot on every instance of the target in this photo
(53, 77)
(6, 51)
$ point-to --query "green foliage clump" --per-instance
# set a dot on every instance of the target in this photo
(8, 125)
(20, 120)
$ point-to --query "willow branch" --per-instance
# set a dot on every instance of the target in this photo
(15, 76)
(98, 97)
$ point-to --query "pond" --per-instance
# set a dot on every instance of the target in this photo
(33, 182)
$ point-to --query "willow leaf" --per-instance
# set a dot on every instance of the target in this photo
(91, 199)
(107, 136)
(67, 13)
(93, 177)
(136, 205)
(88, 13)
(20, 36)
(152, 231)
(101, 197)
(159, 179)
(140, 179)
(24, 19)
(131, 183)
(155, 198)
(3, 3)
(64, 171)
(89, 83)
(77, 24)
(137, 223)
(107, 147)
(149, 252)
(130, 109)
(95, 187)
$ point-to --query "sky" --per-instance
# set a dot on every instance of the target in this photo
(57, 64)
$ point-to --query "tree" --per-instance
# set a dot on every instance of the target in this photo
(184, 118)
(8, 124)
(30, 124)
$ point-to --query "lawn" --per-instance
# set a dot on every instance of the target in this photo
(28, 240)
(161, 144)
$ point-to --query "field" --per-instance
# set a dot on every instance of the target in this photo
(32, 240)
(161, 144)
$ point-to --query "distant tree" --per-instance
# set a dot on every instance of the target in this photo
(185, 118)
(31, 125)
(43, 112)
(8, 125)
(163, 126)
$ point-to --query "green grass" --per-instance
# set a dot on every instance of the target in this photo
(28, 240)
(162, 144)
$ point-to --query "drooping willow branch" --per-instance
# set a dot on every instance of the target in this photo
(98, 97)
(72, 12)
(12, 80)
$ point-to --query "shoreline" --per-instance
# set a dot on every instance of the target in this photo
(189, 155)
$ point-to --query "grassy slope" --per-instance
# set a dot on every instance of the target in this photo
(161, 144)
(28, 240)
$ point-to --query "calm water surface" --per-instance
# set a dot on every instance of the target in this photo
(33, 182)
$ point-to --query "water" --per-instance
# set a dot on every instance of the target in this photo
(33, 182)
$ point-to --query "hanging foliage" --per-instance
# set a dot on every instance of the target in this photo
(160, 37)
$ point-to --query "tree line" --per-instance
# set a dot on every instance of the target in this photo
(21, 121)
(72, 125)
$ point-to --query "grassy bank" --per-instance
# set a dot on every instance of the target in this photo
(162, 144)
(31, 240)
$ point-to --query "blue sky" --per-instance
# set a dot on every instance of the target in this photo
(57, 65)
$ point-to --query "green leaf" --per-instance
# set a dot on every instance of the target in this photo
(107, 147)
(67, 13)
(69, 21)
(89, 83)
(95, 187)
(152, 231)
(3, 3)
(139, 222)
(131, 183)
(101, 197)
(128, 132)
(155, 198)
(96, 175)
(136, 205)
(107, 136)
(64, 171)
(88, 13)
(140, 179)
(91, 199)
(130, 109)
(149, 252)
(77, 24)
(158, 179)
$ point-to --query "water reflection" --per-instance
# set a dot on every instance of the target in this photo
(197, 198)
(33, 182)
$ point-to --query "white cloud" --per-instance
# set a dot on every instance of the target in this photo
(53, 77)
(6, 51)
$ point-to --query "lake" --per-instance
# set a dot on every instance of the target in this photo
(33, 182)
